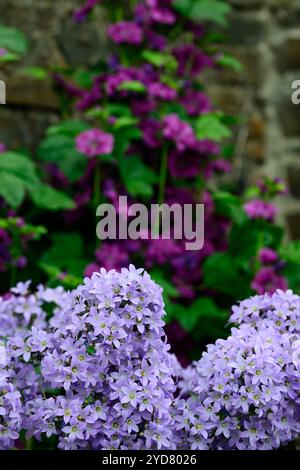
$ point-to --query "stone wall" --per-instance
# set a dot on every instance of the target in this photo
(263, 34)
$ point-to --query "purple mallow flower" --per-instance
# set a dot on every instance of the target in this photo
(126, 32)
(258, 209)
(160, 11)
(267, 256)
(94, 142)
(178, 131)
(191, 60)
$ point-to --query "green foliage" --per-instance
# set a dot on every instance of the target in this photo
(202, 311)
(223, 273)
(66, 255)
(46, 197)
(17, 175)
(137, 177)
(160, 59)
(59, 148)
(230, 206)
(210, 126)
(13, 40)
(134, 85)
(203, 10)
(228, 61)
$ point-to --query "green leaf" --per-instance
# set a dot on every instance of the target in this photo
(68, 128)
(13, 40)
(137, 177)
(209, 126)
(9, 57)
(46, 197)
(230, 206)
(160, 59)
(227, 60)
(12, 189)
(246, 239)
(60, 149)
(291, 252)
(39, 73)
(133, 85)
(20, 166)
(222, 274)
(17, 174)
(203, 309)
(125, 121)
(203, 10)
(66, 254)
(123, 138)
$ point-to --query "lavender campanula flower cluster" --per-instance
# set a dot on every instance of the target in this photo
(92, 369)
(105, 376)
(244, 392)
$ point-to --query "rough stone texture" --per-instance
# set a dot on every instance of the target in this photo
(263, 34)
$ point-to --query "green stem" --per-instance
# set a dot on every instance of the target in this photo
(29, 444)
(163, 175)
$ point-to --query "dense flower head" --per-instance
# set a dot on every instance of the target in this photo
(126, 32)
(106, 356)
(2, 147)
(179, 131)
(160, 11)
(243, 393)
(267, 255)
(259, 209)
(191, 60)
(94, 142)
(281, 308)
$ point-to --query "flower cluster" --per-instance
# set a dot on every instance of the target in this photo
(104, 353)
(92, 369)
(244, 392)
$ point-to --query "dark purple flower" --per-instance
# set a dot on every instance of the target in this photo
(195, 102)
(267, 256)
(2, 147)
(126, 32)
(160, 11)
(94, 142)
(268, 280)
(191, 60)
(151, 129)
(162, 91)
(258, 209)
(180, 132)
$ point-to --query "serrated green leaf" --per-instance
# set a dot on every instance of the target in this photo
(20, 166)
(60, 149)
(227, 60)
(209, 126)
(12, 189)
(203, 10)
(13, 40)
(137, 177)
(46, 197)
(68, 128)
